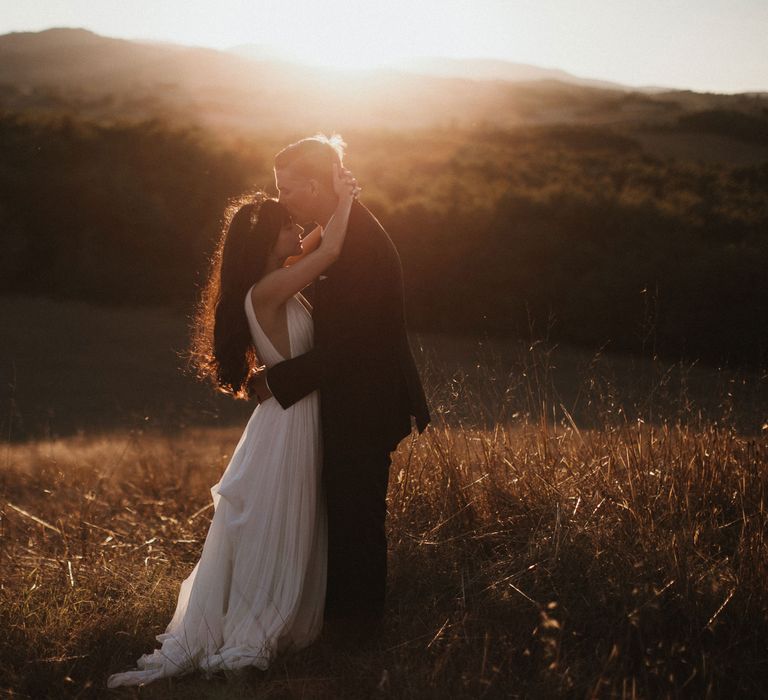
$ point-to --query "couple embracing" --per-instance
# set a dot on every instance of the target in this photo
(297, 537)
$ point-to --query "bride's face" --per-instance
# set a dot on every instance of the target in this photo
(288, 242)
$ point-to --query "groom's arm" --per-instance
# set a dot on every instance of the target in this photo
(359, 307)
(293, 379)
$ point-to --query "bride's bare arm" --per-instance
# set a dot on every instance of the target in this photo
(275, 288)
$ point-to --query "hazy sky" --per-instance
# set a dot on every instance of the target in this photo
(718, 45)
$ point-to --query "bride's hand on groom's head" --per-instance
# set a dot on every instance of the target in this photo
(344, 182)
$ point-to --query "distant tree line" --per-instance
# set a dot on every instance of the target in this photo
(120, 214)
(750, 128)
(579, 233)
(573, 232)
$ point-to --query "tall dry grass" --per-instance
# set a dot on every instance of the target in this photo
(530, 555)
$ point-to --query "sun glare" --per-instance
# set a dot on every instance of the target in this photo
(344, 55)
(622, 41)
(348, 40)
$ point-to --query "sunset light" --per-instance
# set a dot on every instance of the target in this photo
(384, 348)
(710, 45)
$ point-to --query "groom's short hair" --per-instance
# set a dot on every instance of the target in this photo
(313, 157)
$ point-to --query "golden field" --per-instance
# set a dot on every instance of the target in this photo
(538, 557)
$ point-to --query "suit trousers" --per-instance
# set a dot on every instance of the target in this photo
(356, 492)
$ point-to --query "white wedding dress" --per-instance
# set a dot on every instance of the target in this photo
(259, 586)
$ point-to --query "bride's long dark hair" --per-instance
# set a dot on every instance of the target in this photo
(221, 346)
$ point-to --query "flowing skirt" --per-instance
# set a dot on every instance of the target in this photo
(259, 586)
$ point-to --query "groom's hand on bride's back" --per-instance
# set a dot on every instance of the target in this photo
(257, 386)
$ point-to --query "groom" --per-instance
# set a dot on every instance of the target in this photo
(364, 370)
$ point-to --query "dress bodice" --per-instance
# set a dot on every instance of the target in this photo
(299, 331)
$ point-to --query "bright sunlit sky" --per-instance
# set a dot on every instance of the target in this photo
(707, 45)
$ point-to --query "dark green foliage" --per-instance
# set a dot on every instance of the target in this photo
(579, 227)
(119, 214)
(752, 128)
(571, 231)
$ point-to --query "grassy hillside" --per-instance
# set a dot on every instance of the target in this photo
(76, 368)
(535, 558)
(68, 367)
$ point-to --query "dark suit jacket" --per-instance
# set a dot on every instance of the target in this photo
(361, 362)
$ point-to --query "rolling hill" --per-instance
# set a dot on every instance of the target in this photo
(60, 71)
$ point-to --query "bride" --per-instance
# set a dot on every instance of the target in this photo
(259, 586)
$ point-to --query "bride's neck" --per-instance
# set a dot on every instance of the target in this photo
(273, 263)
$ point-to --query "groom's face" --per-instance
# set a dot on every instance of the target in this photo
(296, 195)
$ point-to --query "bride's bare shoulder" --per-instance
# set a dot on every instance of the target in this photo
(262, 301)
